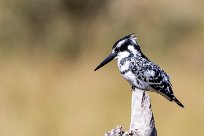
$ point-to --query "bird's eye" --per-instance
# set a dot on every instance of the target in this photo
(116, 50)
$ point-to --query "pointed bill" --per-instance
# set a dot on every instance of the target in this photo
(106, 60)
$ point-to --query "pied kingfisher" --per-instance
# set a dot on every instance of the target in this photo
(138, 70)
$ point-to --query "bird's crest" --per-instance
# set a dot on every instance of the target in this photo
(126, 38)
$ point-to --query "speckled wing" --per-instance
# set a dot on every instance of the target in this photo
(159, 81)
(154, 77)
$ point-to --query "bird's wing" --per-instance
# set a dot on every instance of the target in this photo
(159, 81)
(156, 78)
(153, 76)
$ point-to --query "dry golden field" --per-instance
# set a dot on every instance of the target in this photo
(49, 49)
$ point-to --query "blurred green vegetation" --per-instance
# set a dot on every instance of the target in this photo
(49, 48)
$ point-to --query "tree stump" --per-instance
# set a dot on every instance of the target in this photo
(142, 119)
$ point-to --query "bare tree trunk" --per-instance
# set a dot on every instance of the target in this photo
(142, 120)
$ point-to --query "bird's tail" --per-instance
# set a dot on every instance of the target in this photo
(177, 102)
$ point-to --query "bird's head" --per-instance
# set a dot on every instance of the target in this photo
(126, 46)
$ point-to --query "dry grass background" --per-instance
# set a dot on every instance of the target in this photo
(48, 50)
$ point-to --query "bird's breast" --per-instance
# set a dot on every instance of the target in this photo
(124, 68)
(123, 65)
(132, 73)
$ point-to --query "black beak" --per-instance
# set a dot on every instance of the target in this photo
(106, 60)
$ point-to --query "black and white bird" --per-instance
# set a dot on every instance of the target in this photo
(138, 70)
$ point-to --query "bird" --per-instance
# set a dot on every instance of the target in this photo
(139, 70)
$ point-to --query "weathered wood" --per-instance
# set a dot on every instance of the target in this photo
(142, 119)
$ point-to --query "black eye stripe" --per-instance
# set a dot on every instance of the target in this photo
(123, 47)
(116, 50)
